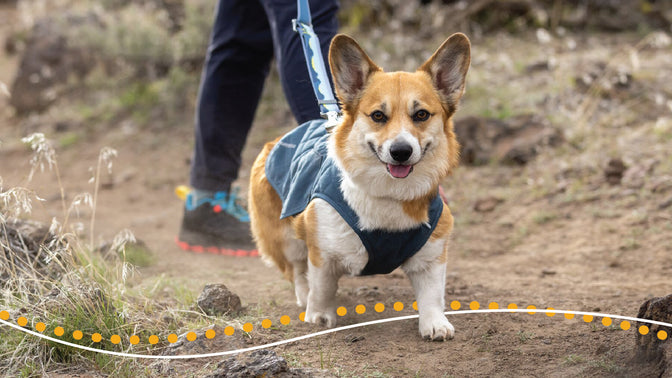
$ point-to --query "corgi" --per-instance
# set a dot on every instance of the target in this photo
(362, 197)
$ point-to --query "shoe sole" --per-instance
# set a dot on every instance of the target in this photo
(199, 249)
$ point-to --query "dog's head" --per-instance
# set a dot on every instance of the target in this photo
(396, 139)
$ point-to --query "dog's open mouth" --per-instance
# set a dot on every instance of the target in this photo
(400, 170)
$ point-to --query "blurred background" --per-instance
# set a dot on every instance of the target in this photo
(563, 197)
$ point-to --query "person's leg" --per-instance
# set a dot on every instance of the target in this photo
(289, 52)
(236, 66)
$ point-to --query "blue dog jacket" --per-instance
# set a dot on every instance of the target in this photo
(299, 170)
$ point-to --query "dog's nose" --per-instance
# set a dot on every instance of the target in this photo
(401, 151)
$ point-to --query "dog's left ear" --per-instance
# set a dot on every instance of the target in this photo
(448, 68)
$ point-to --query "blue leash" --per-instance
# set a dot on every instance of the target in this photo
(318, 73)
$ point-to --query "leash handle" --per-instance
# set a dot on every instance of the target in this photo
(315, 62)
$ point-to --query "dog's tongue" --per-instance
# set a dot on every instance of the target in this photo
(399, 171)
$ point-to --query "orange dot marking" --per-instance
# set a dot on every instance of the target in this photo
(551, 314)
(22, 321)
(415, 305)
(77, 335)
(644, 330)
(59, 331)
(587, 318)
(569, 316)
(40, 327)
(474, 305)
(531, 307)
(248, 327)
(662, 335)
(493, 305)
(398, 306)
(284, 320)
(625, 325)
(172, 338)
(266, 323)
(153, 339)
(341, 311)
(302, 316)
(379, 307)
(606, 322)
(512, 306)
(210, 334)
(115, 339)
(4, 315)
(455, 305)
(191, 336)
(96, 337)
(360, 309)
(228, 331)
(134, 339)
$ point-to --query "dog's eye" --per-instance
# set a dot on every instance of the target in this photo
(378, 116)
(421, 115)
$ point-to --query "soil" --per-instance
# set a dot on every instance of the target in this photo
(558, 236)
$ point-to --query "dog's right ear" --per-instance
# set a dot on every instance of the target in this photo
(350, 68)
(448, 68)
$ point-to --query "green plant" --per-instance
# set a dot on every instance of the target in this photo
(524, 337)
(61, 282)
(544, 217)
(574, 359)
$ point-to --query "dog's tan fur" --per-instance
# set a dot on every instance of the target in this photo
(360, 147)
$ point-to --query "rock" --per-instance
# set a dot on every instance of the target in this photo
(21, 245)
(650, 348)
(613, 172)
(259, 363)
(621, 15)
(487, 204)
(49, 61)
(612, 83)
(350, 339)
(163, 368)
(217, 299)
(77, 297)
(515, 141)
(262, 363)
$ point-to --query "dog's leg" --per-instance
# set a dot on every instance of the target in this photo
(323, 282)
(429, 286)
(297, 255)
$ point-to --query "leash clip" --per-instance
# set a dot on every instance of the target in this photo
(333, 119)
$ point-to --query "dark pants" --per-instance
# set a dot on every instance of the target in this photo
(245, 37)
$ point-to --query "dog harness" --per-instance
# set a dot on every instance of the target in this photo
(300, 170)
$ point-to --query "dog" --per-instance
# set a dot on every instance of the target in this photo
(362, 198)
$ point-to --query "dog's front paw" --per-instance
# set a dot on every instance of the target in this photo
(323, 318)
(436, 327)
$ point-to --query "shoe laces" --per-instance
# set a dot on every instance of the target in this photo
(230, 202)
(222, 201)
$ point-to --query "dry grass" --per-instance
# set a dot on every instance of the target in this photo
(52, 276)
(56, 276)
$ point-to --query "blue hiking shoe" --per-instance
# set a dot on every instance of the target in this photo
(217, 224)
